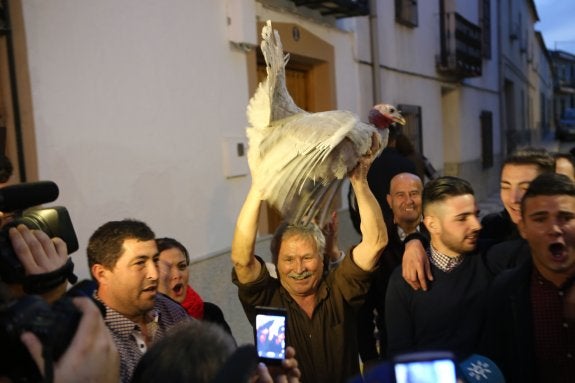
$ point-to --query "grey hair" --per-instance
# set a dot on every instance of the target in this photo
(309, 231)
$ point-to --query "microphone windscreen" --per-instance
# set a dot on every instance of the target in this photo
(480, 369)
(25, 195)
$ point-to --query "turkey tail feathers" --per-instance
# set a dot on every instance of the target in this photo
(314, 203)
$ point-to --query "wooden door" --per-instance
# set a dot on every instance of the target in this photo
(297, 84)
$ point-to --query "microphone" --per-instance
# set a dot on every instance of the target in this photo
(25, 195)
(475, 369)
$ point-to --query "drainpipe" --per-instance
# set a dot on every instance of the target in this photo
(374, 39)
(14, 92)
(502, 95)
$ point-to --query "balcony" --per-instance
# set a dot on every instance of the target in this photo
(564, 86)
(460, 54)
(337, 8)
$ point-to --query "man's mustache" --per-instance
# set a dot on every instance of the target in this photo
(299, 276)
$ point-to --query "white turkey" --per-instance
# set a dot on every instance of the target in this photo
(299, 159)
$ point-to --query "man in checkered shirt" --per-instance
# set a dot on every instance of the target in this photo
(123, 257)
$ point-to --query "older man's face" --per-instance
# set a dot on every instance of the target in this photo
(404, 198)
(300, 266)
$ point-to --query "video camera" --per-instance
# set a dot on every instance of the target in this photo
(54, 221)
(54, 324)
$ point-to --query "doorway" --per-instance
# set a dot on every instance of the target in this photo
(310, 79)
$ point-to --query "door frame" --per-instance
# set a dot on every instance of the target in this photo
(307, 51)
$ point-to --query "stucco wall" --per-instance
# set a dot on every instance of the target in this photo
(132, 103)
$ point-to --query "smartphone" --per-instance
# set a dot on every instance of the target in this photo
(270, 334)
(428, 367)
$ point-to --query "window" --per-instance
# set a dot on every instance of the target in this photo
(485, 12)
(406, 12)
(486, 122)
(412, 128)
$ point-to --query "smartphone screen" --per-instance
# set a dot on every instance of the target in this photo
(270, 334)
(426, 371)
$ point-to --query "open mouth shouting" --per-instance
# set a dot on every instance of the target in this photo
(558, 251)
(178, 289)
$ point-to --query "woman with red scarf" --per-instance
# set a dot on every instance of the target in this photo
(174, 269)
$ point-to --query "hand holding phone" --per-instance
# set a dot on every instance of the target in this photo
(270, 334)
(429, 367)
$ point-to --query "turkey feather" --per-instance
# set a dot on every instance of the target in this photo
(299, 159)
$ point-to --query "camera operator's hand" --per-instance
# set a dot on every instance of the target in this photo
(92, 355)
(287, 373)
(39, 254)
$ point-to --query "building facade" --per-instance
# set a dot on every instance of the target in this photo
(136, 108)
(564, 79)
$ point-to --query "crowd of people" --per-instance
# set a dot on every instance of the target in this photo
(426, 275)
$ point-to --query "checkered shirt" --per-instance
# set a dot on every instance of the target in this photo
(442, 261)
(127, 334)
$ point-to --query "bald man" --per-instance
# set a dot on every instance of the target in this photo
(404, 198)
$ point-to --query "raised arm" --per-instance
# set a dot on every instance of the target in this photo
(373, 230)
(245, 263)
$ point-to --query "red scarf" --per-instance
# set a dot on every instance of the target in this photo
(193, 303)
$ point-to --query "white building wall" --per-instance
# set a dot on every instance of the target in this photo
(451, 127)
(517, 55)
(360, 33)
(409, 49)
(414, 90)
(407, 57)
(542, 88)
(475, 95)
(132, 103)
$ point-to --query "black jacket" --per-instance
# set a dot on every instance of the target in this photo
(508, 332)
